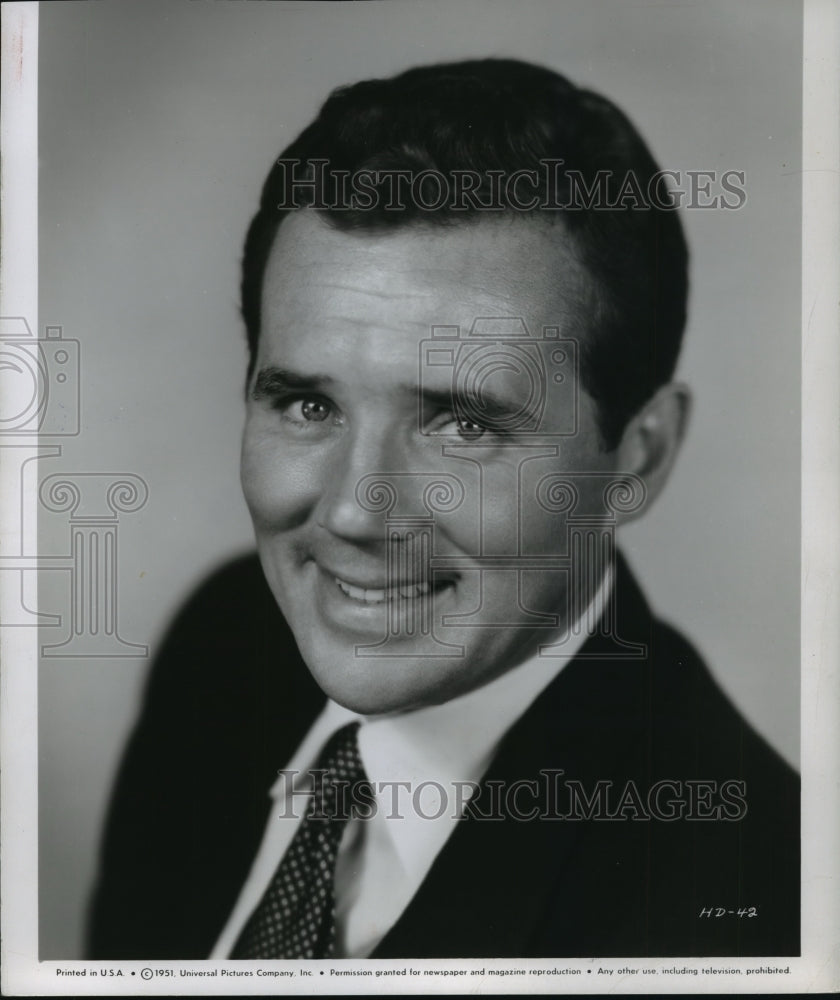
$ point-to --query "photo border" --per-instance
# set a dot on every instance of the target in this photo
(819, 967)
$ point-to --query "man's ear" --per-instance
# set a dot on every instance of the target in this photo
(652, 438)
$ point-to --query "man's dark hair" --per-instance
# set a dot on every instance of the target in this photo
(504, 116)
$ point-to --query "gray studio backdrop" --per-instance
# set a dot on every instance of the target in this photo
(158, 122)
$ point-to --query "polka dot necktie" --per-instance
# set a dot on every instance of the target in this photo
(296, 917)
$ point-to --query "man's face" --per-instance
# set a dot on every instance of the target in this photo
(345, 392)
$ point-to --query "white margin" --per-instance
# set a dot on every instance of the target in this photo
(18, 646)
(821, 496)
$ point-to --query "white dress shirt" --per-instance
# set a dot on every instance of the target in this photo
(437, 751)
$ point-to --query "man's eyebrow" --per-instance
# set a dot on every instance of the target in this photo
(487, 403)
(272, 382)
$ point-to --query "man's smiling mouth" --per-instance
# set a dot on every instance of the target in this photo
(383, 595)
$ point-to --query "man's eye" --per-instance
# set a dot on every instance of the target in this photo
(469, 430)
(305, 410)
(456, 426)
(314, 409)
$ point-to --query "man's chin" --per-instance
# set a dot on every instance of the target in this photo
(378, 685)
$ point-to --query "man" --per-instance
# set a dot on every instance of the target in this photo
(464, 292)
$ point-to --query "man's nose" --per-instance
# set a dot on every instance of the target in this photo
(345, 508)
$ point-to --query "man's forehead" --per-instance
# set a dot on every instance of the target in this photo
(495, 266)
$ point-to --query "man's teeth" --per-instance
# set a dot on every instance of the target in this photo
(405, 592)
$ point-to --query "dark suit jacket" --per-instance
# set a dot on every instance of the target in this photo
(229, 700)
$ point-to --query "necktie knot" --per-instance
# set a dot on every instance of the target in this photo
(340, 755)
(339, 786)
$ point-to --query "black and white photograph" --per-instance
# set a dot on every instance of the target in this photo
(419, 497)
